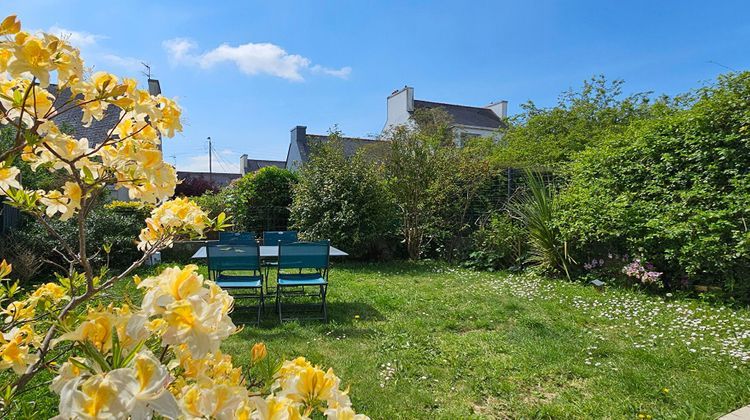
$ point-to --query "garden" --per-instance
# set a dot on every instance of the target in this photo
(593, 262)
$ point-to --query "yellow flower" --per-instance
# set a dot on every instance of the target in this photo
(170, 117)
(66, 373)
(275, 408)
(258, 353)
(55, 203)
(145, 387)
(96, 397)
(10, 25)
(99, 324)
(49, 291)
(313, 386)
(31, 56)
(344, 413)
(8, 178)
(97, 329)
(5, 56)
(14, 351)
(20, 310)
(5, 269)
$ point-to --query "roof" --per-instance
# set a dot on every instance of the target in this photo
(255, 164)
(465, 115)
(218, 178)
(97, 131)
(350, 144)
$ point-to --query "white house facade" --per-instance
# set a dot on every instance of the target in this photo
(468, 121)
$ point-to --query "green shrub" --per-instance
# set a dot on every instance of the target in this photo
(535, 207)
(118, 226)
(550, 137)
(260, 201)
(675, 190)
(499, 243)
(215, 202)
(345, 200)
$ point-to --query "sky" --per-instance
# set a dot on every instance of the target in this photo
(247, 72)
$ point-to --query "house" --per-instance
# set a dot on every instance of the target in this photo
(252, 165)
(301, 143)
(214, 179)
(468, 121)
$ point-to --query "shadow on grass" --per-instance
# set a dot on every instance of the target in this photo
(339, 313)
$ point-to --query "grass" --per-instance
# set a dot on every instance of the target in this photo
(430, 341)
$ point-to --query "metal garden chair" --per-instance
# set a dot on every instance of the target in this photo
(237, 257)
(303, 256)
(237, 238)
(274, 238)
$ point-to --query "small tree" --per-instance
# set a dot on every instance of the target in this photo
(194, 187)
(260, 200)
(415, 162)
(105, 352)
(343, 199)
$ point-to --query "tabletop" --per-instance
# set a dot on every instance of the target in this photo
(268, 251)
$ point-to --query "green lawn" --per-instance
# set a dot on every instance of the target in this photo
(431, 341)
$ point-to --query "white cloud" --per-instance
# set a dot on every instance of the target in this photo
(178, 48)
(342, 73)
(222, 161)
(250, 58)
(78, 39)
(92, 50)
(130, 63)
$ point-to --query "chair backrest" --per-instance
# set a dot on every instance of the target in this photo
(244, 238)
(304, 255)
(233, 256)
(273, 237)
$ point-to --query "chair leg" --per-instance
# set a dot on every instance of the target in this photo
(261, 304)
(278, 303)
(324, 289)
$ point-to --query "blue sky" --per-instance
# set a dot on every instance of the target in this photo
(246, 72)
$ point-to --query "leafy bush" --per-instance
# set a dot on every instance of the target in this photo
(551, 137)
(438, 187)
(499, 243)
(193, 187)
(260, 201)
(117, 224)
(215, 202)
(675, 189)
(535, 207)
(345, 200)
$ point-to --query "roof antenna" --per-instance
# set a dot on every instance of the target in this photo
(147, 71)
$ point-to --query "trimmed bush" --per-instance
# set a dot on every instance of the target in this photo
(675, 190)
(260, 200)
(345, 200)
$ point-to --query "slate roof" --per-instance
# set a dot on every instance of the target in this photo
(465, 115)
(220, 179)
(255, 164)
(97, 131)
(350, 144)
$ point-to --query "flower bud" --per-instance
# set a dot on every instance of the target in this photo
(258, 353)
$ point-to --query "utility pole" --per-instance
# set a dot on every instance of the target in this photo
(210, 171)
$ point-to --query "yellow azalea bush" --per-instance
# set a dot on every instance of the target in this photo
(122, 360)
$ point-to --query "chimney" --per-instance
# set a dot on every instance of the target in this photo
(499, 108)
(400, 106)
(299, 133)
(153, 87)
(243, 164)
